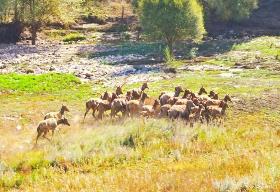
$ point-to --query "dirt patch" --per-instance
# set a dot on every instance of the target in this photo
(268, 100)
(204, 68)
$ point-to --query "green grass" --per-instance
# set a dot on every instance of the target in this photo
(266, 46)
(65, 86)
(243, 84)
(74, 37)
(142, 154)
(56, 34)
(261, 51)
(48, 83)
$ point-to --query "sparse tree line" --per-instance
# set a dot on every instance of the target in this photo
(168, 20)
(32, 13)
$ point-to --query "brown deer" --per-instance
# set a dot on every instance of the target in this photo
(49, 124)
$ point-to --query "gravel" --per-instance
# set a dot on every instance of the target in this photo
(62, 58)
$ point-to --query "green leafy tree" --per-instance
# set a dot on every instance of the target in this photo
(231, 10)
(40, 12)
(31, 12)
(5, 10)
(172, 20)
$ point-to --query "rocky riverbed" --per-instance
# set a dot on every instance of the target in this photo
(63, 58)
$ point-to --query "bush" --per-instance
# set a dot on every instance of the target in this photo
(192, 53)
(74, 37)
(168, 57)
(125, 36)
(235, 10)
(172, 20)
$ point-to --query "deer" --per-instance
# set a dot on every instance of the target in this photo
(49, 125)
(166, 97)
(151, 110)
(133, 107)
(58, 115)
(136, 93)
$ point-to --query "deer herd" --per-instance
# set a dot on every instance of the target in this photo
(190, 107)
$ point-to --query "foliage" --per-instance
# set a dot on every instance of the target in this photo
(235, 10)
(74, 37)
(127, 48)
(3, 10)
(31, 12)
(48, 83)
(167, 56)
(172, 20)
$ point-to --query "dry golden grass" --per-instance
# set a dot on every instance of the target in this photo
(143, 154)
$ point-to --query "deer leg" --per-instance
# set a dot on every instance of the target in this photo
(45, 136)
(100, 115)
(93, 112)
(113, 113)
(39, 134)
(87, 110)
(191, 124)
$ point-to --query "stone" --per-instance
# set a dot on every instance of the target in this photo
(51, 68)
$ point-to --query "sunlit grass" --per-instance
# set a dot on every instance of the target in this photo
(160, 154)
(140, 154)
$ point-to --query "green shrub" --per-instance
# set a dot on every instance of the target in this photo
(235, 10)
(192, 53)
(172, 20)
(168, 57)
(125, 36)
(74, 37)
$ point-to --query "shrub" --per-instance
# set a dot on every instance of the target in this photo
(172, 20)
(74, 37)
(168, 57)
(235, 10)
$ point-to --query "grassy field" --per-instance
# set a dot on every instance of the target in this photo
(137, 155)
(144, 154)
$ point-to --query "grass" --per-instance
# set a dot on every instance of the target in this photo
(48, 83)
(142, 154)
(261, 51)
(156, 154)
(163, 156)
(73, 37)
(49, 86)
(55, 34)
(266, 46)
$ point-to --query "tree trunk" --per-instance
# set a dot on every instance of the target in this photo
(122, 14)
(170, 46)
(16, 19)
(33, 22)
(33, 33)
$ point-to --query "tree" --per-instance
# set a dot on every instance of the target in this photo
(172, 20)
(31, 12)
(4, 10)
(231, 10)
(40, 11)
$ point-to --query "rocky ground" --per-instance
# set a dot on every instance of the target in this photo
(62, 58)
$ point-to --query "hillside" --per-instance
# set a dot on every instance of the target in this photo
(263, 21)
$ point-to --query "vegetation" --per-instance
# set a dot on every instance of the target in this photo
(172, 20)
(155, 154)
(235, 10)
(47, 84)
(74, 37)
(32, 12)
(137, 154)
